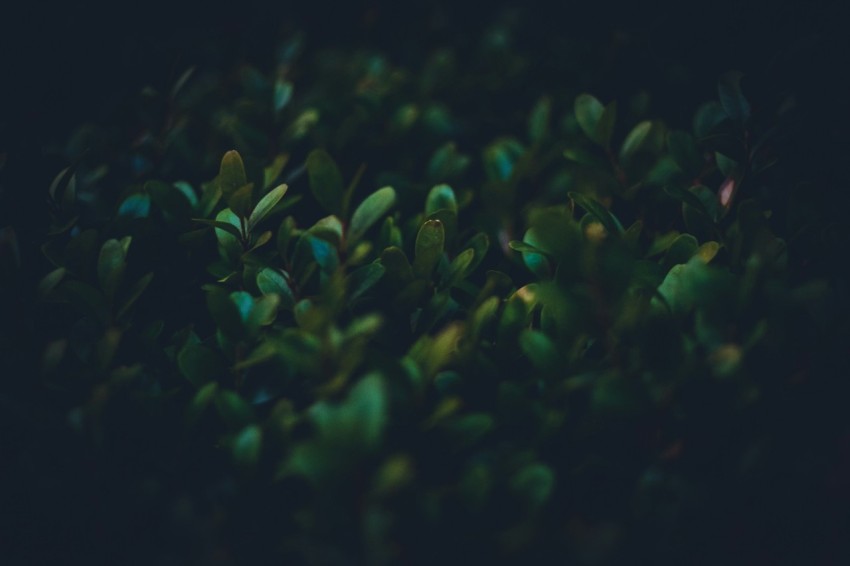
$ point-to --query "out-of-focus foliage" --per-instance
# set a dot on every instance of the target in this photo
(369, 336)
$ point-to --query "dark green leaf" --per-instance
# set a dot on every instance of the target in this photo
(429, 247)
(199, 364)
(372, 209)
(326, 182)
(732, 98)
(538, 122)
(265, 205)
(241, 200)
(635, 139)
(362, 279)
(602, 214)
(134, 293)
(588, 111)
(110, 267)
(247, 447)
(231, 175)
(271, 280)
(137, 205)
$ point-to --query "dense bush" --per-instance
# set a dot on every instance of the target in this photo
(345, 312)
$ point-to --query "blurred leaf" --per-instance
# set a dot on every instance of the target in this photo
(440, 197)
(199, 364)
(247, 447)
(362, 279)
(588, 111)
(372, 209)
(457, 269)
(233, 409)
(137, 205)
(605, 127)
(134, 293)
(534, 483)
(684, 150)
(225, 313)
(602, 214)
(326, 182)
(538, 121)
(110, 267)
(635, 139)
(732, 98)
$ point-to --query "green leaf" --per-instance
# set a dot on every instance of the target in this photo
(397, 265)
(202, 399)
(87, 299)
(588, 112)
(270, 280)
(169, 198)
(263, 312)
(540, 350)
(326, 182)
(134, 293)
(199, 364)
(681, 250)
(598, 211)
(265, 205)
(50, 281)
(683, 149)
(247, 447)
(440, 197)
(605, 127)
(429, 248)
(231, 175)
(480, 243)
(110, 267)
(274, 169)
(359, 421)
(538, 122)
(524, 247)
(635, 139)
(324, 252)
(457, 269)
(234, 410)
(534, 483)
(707, 118)
(447, 163)
(241, 201)
(219, 225)
(225, 313)
(362, 279)
(732, 98)
(373, 208)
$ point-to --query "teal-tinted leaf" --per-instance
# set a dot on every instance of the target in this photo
(373, 208)
(457, 269)
(233, 409)
(440, 197)
(265, 205)
(429, 247)
(602, 214)
(231, 175)
(538, 122)
(199, 364)
(328, 228)
(326, 182)
(364, 278)
(635, 139)
(137, 205)
(732, 98)
(247, 447)
(110, 267)
(282, 94)
(270, 281)
(683, 149)
(324, 252)
(134, 293)
(707, 118)
(588, 112)
(501, 158)
(188, 193)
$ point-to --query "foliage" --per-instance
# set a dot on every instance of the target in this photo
(406, 340)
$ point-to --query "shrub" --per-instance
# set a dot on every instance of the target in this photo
(357, 333)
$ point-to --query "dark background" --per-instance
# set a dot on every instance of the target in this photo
(62, 65)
